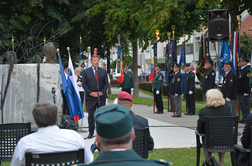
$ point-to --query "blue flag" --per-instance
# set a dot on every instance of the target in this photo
(81, 61)
(71, 92)
(225, 55)
(182, 66)
(167, 74)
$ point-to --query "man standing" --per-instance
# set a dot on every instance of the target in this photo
(115, 136)
(90, 77)
(209, 77)
(128, 82)
(228, 87)
(157, 87)
(189, 90)
(49, 138)
(243, 89)
(176, 90)
(139, 122)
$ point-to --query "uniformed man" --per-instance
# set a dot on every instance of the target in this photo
(176, 90)
(114, 137)
(189, 90)
(228, 87)
(243, 89)
(157, 87)
(209, 77)
(128, 82)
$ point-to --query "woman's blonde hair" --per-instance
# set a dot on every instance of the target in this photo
(214, 98)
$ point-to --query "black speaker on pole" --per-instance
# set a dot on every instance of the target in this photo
(218, 25)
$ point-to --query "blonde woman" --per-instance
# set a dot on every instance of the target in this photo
(215, 106)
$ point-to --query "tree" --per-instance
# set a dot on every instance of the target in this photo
(246, 45)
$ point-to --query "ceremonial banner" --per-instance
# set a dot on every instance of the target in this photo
(152, 69)
(200, 67)
(155, 61)
(81, 60)
(207, 53)
(171, 58)
(119, 65)
(225, 55)
(236, 52)
(167, 74)
(182, 66)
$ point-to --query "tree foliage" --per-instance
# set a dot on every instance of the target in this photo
(246, 45)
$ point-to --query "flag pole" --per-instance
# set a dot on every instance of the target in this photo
(155, 62)
(173, 28)
(238, 30)
(184, 35)
(169, 35)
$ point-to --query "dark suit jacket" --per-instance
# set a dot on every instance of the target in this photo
(140, 122)
(208, 80)
(242, 81)
(228, 87)
(223, 110)
(89, 82)
(245, 140)
(189, 82)
(176, 84)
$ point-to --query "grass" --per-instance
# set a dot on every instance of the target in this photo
(149, 102)
(176, 156)
(181, 156)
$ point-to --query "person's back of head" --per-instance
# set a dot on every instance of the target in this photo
(65, 65)
(114, 127)
(45, 114)
(214, 98)
(124, 98)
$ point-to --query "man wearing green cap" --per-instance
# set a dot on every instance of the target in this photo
(157, 83)
(128, 81)
(114, 138)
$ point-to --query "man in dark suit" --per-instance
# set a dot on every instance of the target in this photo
(89, 83)
(189, 90)
(243, 157)
(243, 89)
(176, 90)
(139, 122)
(209, 77)
(228, 87)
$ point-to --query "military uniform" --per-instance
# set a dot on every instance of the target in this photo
(229, 92)
(243, 90)
(128, 82)
(157, 86)
(115, 128)
(176, 92)
(208, 80)
(189, 91)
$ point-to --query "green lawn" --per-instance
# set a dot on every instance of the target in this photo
(149, 102)
(176, 156)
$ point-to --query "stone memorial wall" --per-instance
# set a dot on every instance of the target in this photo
(22, 91)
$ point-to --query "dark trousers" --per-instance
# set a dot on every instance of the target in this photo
(92, 105)
(127, 90)
(159, 101)
(190, 101)
(65, 105)
(244, 102)
(82, 97)
(171, 100)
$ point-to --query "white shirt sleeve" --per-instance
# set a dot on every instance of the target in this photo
(88, 155)
(18, 158)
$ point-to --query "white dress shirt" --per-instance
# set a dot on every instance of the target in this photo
(50, 139)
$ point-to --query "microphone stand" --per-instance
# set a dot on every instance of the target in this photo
(1, 98)
(98, 98)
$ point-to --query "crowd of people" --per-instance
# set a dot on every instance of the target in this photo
(115, 124)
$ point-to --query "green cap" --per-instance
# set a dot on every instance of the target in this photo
(113, 121)
(158, 65)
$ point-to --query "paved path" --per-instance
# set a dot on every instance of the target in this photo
(167, 132)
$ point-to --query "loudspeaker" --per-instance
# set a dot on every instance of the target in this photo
(218, 25)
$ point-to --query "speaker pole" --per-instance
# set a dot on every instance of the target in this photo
(203, 47)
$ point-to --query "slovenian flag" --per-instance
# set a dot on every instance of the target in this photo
(71, 92)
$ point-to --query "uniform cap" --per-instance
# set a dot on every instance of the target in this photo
(244, 59)
(176, 65)
(158, 65)
(209, 61)
(229, 63)
(188, 65)
(124, 96)
(112, 121)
